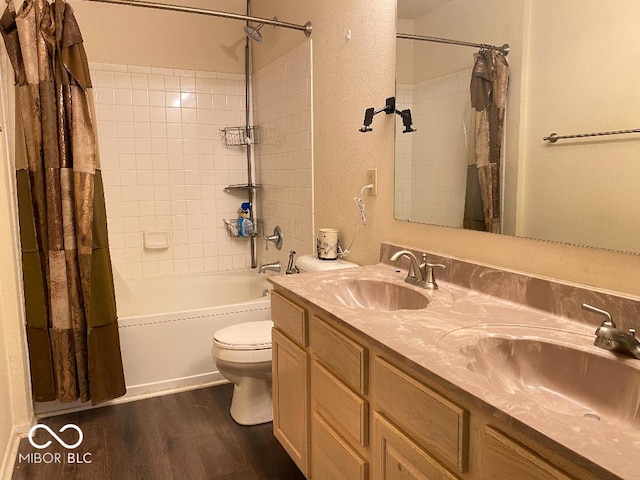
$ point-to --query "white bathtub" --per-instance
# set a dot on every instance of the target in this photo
(166, 325)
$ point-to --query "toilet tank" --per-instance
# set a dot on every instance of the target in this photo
(310, 263)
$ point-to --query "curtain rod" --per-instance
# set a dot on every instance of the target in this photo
(306, 28)
(409, 36)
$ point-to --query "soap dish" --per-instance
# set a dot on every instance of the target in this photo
(156, 240)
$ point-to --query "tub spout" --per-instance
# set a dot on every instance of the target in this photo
(274, 267)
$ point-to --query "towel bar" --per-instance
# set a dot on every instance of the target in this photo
(554, 137)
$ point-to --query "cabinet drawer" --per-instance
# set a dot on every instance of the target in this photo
(438, 425)
(506, 459)
(397, 457)
(331, 457)
(343, 409)
(289, 318)
(346, 359)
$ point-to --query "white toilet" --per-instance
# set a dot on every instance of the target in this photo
(311, 263)
(242, 353)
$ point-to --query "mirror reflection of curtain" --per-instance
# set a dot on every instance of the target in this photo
(489, 83)
(72, 330)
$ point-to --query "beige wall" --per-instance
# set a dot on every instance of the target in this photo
(141, 36)
(351, 75)
(493, 22)
(580, 82)
(405, 59)
(15, 397)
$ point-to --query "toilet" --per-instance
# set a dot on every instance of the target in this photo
(242, 353)
(311, 263)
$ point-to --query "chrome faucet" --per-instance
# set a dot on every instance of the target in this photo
(292, 269)
(419, 274)
(274, 267)
(611, 338)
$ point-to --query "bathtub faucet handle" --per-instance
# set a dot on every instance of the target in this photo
(276, 238)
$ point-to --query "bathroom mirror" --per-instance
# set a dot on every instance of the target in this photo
(579, 191)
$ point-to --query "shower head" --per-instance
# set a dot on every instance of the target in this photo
(253, 32)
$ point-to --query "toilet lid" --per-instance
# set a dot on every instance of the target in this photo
(245, 336)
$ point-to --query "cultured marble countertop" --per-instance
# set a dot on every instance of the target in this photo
(435, 338)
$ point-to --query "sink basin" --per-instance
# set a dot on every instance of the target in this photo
(571, 376)
(373, 295)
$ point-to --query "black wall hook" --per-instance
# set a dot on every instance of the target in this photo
(389, 108)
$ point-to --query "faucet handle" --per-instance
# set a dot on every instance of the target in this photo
(436, 265)
(276, 238)
(429, 277)
(608, 319)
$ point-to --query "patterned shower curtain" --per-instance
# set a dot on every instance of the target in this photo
(72, 330)
(489, 83)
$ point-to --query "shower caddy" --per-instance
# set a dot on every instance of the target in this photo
(243, 137)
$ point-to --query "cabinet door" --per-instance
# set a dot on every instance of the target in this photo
(291, 399)
(506, 459)
(397, 457)
(331, 456)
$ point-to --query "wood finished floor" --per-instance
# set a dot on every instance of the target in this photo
(188, 435)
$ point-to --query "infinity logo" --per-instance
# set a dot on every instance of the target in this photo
(53, 434)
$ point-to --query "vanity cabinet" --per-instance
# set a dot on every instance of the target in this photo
(506, 459)
(339, 409)
(439, 425)
(397, 457)
(346, 408)
(290, 371)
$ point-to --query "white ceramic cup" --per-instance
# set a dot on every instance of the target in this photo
(327, 244)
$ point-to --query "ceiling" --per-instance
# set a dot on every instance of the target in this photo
(412, 9)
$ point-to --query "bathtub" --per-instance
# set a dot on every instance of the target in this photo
(166, 325)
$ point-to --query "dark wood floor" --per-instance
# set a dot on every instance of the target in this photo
(188, 435)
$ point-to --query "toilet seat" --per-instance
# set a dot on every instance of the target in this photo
(248, 342)
(245, 336)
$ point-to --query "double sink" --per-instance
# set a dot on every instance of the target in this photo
(557, 369)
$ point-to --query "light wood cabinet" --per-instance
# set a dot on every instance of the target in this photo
(289, 318)
(436, 422)
(291, 398)
(346, 408)
(332, 458)
(346, 411)
(397, 457)
(346, 358)
(506, 459)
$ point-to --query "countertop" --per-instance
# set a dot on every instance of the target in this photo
(440, 339)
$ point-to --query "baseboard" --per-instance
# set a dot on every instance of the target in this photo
(136, 392)
(10, 453)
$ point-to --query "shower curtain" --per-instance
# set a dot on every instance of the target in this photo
(72, 330)
(489, 82)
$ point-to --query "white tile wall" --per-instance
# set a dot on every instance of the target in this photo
(165, 167)
(282, 104)
(433, 161)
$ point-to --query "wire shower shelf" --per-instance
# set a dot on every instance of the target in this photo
(239, 136)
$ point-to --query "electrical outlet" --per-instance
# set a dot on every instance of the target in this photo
(372, 178)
